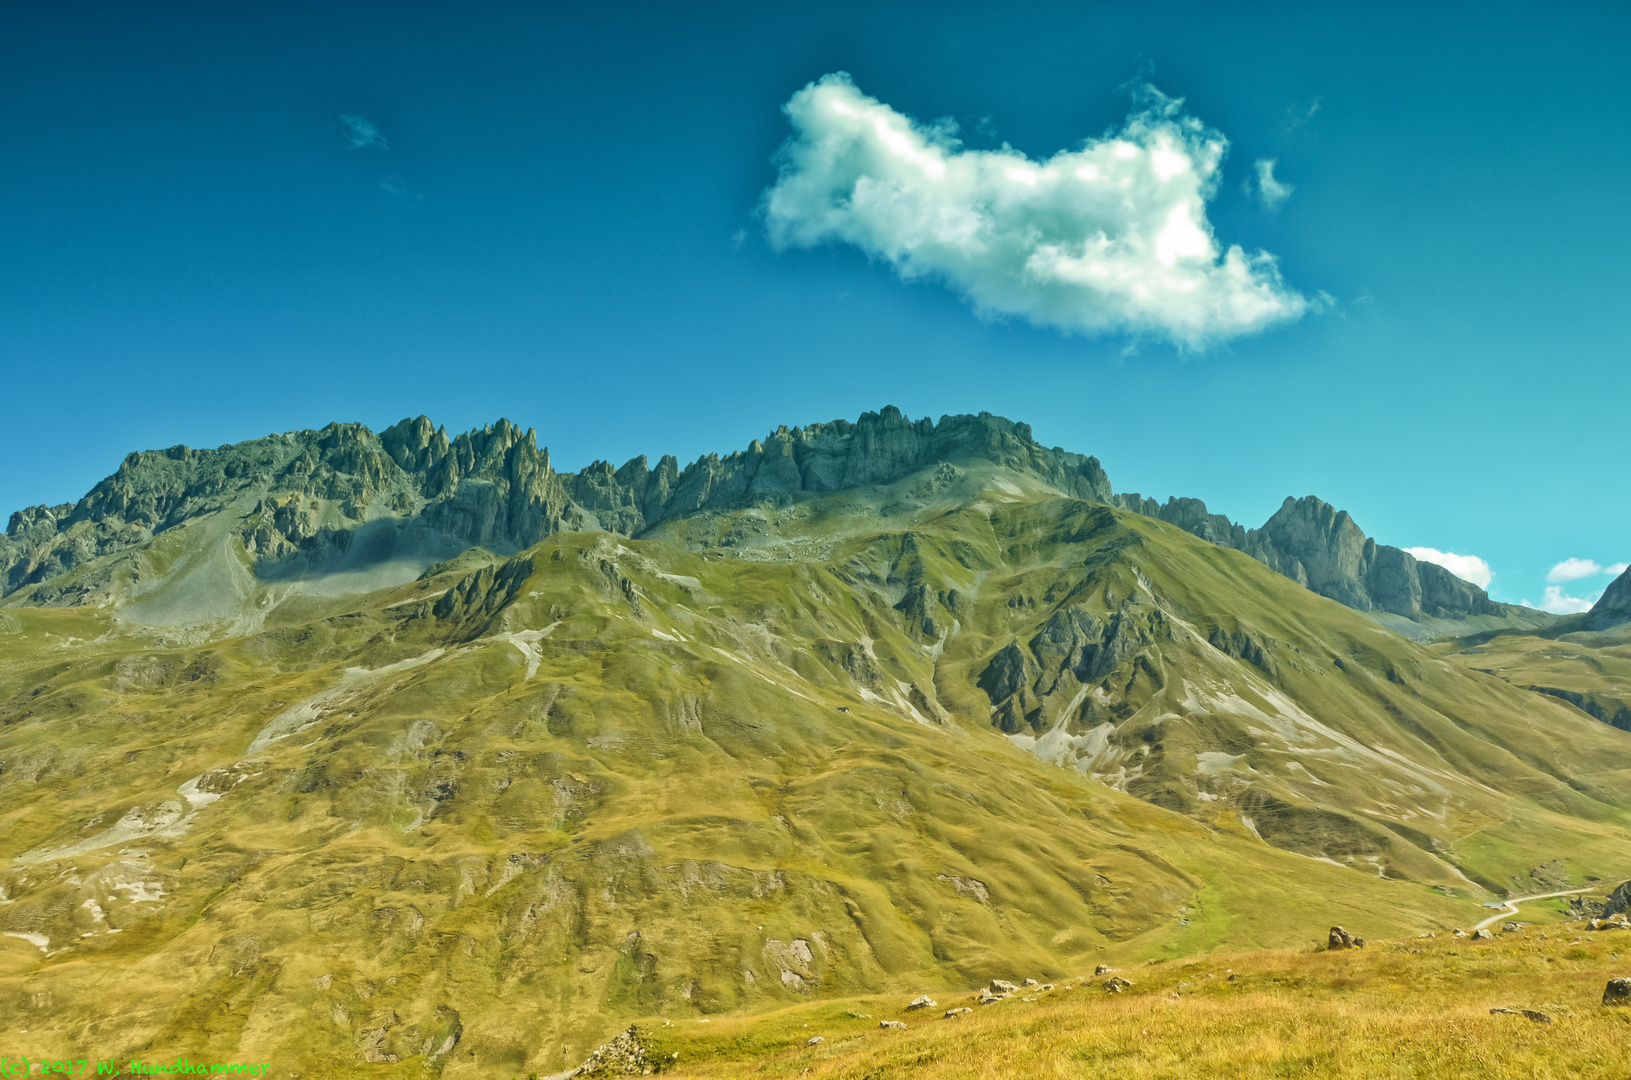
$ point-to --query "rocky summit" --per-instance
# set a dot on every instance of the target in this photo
(410, 752)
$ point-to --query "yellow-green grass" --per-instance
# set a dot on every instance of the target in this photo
(1405, 1008)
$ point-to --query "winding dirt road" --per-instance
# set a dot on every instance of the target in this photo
(1512, 905)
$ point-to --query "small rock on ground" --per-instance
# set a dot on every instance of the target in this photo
(1528, 1014)
(1617, 992)
(892, 1025)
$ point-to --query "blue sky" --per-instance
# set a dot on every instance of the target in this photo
(218, 221)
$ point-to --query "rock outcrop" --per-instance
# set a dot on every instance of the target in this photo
(303, 497)
(1322, 549)
(625, 1055)
(305, 502)
(1619, 901)
(1613, 608)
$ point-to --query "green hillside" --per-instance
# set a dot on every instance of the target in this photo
(899, 737)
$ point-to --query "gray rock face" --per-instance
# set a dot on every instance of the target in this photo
(1321, 548)
(1609, 710)
(308, 501)
(1613, 608)
(300, 499)
(1619, 901)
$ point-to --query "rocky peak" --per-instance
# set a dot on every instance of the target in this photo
(1613, 608)
(1323, 549)
(493, 487)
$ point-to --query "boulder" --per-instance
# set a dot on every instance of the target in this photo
(1458, 933)
(1103, 969)
(892, 1025)
(1617, 992)
(1115, 984)
(1482, 935)
(952, 1014)
(1029, 982)
(998, 986)
(625, 1055)
(988, 998)
(1339, 938)
(1511, 928)
(814, 1040)
(1614, 922)
(922, 1001)
(1528, 1014)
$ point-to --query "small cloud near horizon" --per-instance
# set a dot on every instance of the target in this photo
(1559, 602)
(1110, 238)
(362, 133)
(1466, 567)
(1617, 569)
(1573, 570)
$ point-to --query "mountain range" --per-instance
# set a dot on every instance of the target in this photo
(408, 749)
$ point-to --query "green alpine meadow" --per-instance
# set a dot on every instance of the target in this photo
(405, 754)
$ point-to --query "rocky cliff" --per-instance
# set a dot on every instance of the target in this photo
(1321, 548)
(309, 503)
(410, 492)
(1613, 608)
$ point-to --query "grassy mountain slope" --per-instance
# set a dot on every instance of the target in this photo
(912, 735)
(1589, 669)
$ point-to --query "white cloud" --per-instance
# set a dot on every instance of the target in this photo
(1573, 570)
(363, 133)
(1560, 603)
(1270, 192)
(1617, 569)
(1112, 237)
(1466, 567)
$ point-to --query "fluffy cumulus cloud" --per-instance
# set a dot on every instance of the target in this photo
(1270, 192)
(363, 133)
(1112, 237)
(1573, 570)
(1466, 567)
(1617, 569)
(1559, 602)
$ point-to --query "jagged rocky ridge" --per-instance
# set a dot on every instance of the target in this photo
(304, 499)
(1321, 548)
(301, 495)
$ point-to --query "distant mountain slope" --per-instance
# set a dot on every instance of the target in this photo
(1583, 659)
(181, 536)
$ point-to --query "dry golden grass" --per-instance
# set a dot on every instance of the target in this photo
(1412, 1008)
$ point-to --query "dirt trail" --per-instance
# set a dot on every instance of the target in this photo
(1512, 905)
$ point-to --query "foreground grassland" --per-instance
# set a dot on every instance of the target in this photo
(1407, 1008)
